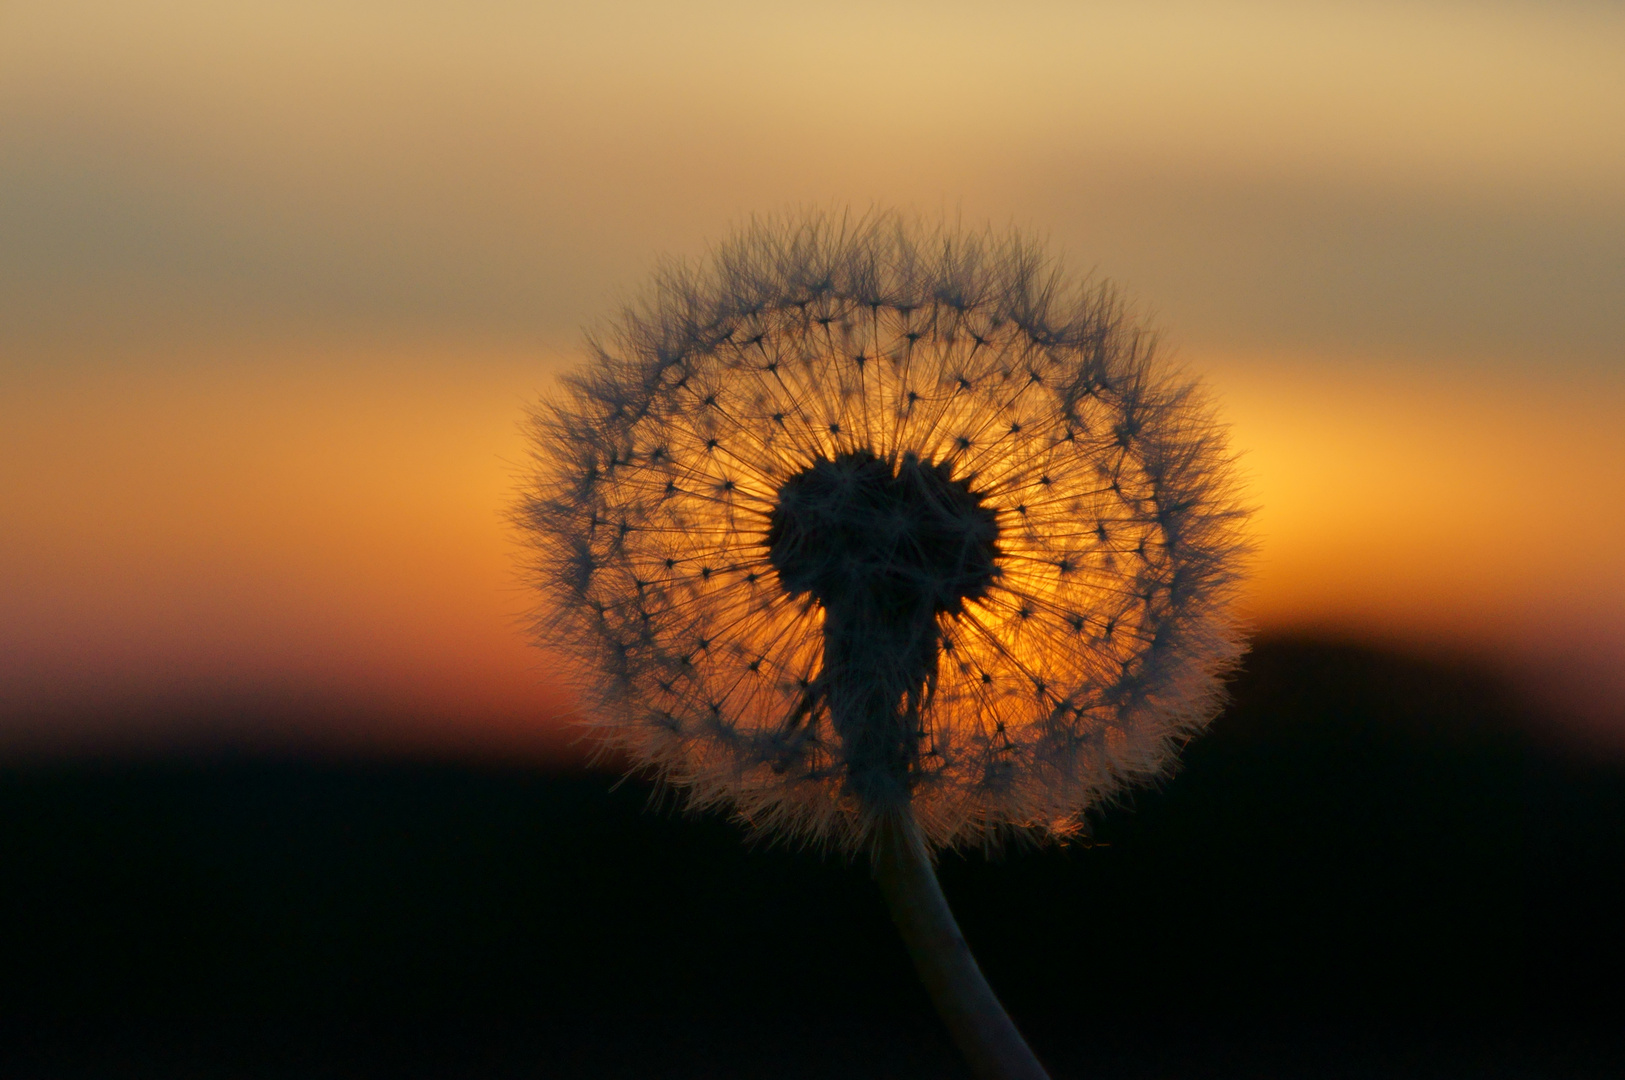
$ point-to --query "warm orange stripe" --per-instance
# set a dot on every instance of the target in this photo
(317, 534)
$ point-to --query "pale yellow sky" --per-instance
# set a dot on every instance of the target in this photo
(1434, 176)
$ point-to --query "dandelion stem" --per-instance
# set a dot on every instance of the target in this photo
(979, 1025)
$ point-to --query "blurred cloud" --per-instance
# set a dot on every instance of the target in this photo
(276, 279)
(1384, 171)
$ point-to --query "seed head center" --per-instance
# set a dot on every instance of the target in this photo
(875, 538)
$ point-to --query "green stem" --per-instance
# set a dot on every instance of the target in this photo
(978, 1023)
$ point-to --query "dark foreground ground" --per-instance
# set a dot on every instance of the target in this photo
(1365, 870)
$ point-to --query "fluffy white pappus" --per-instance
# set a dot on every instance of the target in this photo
(860, 515)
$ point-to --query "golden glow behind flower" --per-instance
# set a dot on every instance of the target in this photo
(859, 514)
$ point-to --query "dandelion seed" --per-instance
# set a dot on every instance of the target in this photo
(928, 467)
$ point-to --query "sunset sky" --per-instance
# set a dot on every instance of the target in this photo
(278, 280)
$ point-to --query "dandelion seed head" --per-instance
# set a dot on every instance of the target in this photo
(862, 515)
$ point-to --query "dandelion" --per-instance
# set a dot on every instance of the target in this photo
(887, 538)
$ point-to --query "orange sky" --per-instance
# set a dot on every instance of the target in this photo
(276, 283)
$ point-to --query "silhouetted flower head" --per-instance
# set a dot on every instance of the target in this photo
(857, 517)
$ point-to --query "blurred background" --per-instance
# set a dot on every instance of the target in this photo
(277, 282)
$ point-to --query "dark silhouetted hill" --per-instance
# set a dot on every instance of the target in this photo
(1367, 868)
